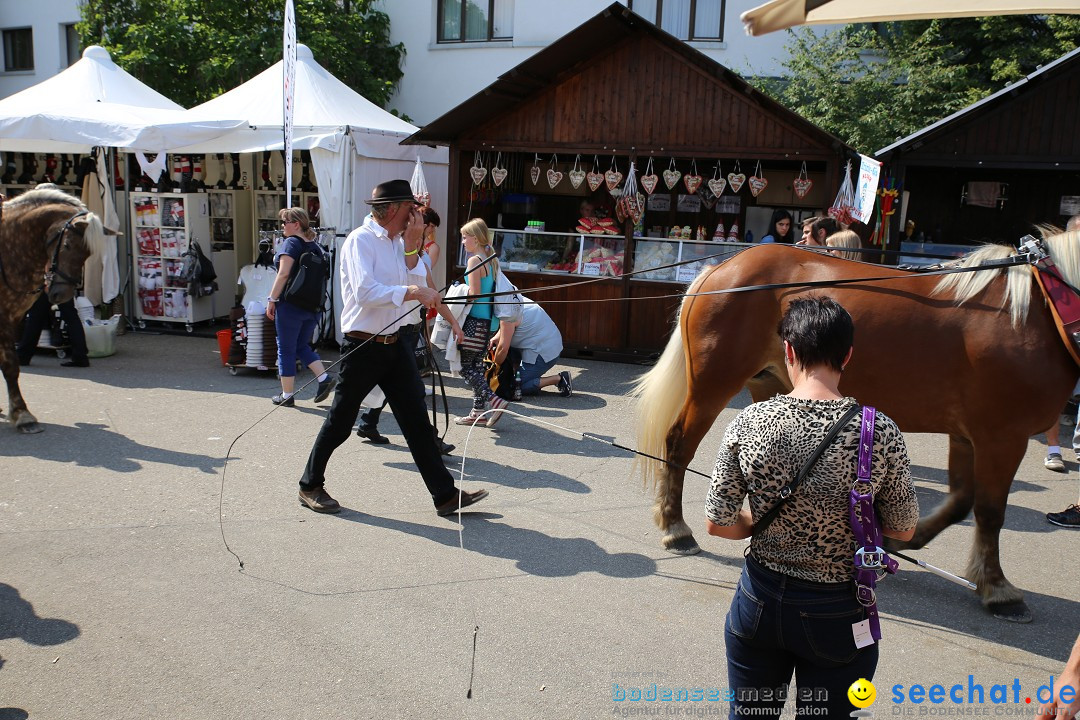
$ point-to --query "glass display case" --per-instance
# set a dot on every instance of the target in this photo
(531, 251)
(655, 253)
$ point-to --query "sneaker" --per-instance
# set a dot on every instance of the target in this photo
(319, 500)
(282, 400)
(371, 434)
(1054, 462)
(566, 385)
(451, 506)
(497, 406)
(1069, 517)
(325, 387)
(472, 418)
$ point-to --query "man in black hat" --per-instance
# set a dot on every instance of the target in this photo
(380, 274)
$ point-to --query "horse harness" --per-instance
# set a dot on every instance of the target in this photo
(54, 266)
(1062, 298)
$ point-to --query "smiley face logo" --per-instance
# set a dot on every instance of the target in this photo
(862, 693)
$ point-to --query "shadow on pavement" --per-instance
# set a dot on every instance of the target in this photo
(18, 620)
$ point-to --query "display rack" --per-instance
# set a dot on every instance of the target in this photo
(164, 225)
(267, 205)
(230, 233)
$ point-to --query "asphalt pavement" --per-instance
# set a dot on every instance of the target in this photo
(119, 599)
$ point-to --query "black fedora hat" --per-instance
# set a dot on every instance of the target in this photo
(392, 191)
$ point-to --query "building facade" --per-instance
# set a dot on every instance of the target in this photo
(38, 39)
(453, 52)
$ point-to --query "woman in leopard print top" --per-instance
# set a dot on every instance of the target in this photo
(795, 607)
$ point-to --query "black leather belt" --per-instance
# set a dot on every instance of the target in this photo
(382, 339)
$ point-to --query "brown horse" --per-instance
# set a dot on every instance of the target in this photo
(45, 237)
(975, 356)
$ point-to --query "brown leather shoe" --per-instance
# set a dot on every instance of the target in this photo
(467, 498)
(319, 500)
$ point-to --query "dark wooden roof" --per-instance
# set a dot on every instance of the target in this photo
(1033, 123)
(618, 82)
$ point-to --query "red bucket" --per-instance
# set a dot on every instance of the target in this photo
(224, 340)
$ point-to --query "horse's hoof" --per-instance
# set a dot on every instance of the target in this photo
(31, 427)
(1016, 612)
(685, 545)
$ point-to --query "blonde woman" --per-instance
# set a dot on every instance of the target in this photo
(844, 239)
(295, 326)
(476, 238)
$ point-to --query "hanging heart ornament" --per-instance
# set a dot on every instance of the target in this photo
(757, 184)
(649, 182)
(498, 174)
(595, 180)
(612, 178)
(717, 186)
(692, 182)
(802, 186)
(736, 181)
(671, 178)
(478, 174)
(534, 173)
(708, 199)
(554, 177)
(576, 178)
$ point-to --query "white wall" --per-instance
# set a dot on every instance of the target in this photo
(439, 77)
(47, 18)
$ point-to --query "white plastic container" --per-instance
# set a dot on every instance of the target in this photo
(101, 337)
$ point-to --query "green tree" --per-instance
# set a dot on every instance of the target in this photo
(871, 84)
(194, 50)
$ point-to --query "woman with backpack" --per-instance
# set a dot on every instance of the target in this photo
(295, 325)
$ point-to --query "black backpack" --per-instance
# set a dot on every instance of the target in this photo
(198, 272)
(306, 288)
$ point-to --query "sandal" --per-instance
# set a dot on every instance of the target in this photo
(497, 406)
(472, 418)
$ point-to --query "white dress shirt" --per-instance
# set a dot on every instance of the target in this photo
(374, 280)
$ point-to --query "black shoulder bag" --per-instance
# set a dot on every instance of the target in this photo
(785, 492)
(306, 287)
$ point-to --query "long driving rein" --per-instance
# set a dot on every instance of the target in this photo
(54, 270)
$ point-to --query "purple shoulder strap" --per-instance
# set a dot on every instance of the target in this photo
(870, 558)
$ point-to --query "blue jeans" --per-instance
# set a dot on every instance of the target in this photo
(295, 328)
(778, 625)
(531, 374)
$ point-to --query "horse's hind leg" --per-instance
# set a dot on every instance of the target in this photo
(19, 415)
(961, 495)
(996, 461)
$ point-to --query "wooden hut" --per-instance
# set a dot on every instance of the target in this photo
(526, 151)
(991, 171)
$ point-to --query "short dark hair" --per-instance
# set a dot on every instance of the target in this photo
(432, 217)
(819, 330)
(828, 224)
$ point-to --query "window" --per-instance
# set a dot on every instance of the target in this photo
(685, 19)
(72, 46)
(18, 49)
(475, 20)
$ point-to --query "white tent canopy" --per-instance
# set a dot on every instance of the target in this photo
(783, 14)
(95, 102)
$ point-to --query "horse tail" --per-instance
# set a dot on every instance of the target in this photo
(660, 395)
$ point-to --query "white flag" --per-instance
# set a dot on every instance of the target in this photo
(866, 190)
(289, 87)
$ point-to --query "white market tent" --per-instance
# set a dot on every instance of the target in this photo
(96, 103)
(354, 144)
(783, 14)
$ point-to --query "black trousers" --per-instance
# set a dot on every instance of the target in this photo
(393, 369)
(409, 336)
(39, 317)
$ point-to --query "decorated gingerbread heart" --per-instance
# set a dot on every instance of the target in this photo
(554, 177)
(649, 182)
(802, 186)
(736, 181)
(498, 174)
(478, 174)
(595, 180)
(576, 178)
(671, 178)
(692, 182)
(717, 186)
(757, 184)
(613, 178)
(708, 199)
(534, 173)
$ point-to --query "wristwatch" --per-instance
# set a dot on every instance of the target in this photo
(270, 299)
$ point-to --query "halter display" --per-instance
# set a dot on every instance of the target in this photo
(871, 559)
(54, 266)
